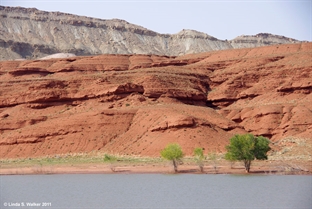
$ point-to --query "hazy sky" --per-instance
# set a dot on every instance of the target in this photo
(221, 19)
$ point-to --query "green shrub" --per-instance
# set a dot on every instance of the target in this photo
(213, 157)
(109, 158)
(199, 158)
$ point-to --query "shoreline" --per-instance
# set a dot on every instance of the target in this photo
(101, 168)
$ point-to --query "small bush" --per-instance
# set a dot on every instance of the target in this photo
(109, 158)
(213, 157)
(199, 158)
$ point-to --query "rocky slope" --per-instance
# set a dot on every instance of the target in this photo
(136, 104)
(31, 33)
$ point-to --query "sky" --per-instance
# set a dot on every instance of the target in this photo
(221, 19)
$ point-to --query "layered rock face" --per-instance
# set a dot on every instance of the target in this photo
(137, 104)
(28, 33)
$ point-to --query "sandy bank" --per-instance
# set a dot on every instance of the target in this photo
(220, 168)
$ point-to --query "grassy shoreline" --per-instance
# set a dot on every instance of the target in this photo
(76, 159)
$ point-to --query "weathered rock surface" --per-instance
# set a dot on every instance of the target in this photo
(31, 33)
(136, 104)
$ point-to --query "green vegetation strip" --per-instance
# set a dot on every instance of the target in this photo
(91, 158)
(76, 159)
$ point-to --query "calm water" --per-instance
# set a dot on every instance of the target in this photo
(151, 191)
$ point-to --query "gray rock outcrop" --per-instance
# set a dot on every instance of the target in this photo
(28, 33)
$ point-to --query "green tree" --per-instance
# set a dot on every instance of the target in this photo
(172, 152)
(246, 148)
(199, 158)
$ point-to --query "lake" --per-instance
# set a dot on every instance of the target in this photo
(151, 191)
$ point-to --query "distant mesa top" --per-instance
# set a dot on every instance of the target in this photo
(28, 33)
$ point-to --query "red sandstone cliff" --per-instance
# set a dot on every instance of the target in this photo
(136, 104)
